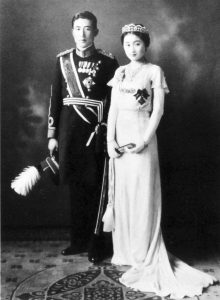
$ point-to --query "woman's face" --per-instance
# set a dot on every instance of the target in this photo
(134, 47)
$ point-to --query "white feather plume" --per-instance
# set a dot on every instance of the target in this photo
(25, 181)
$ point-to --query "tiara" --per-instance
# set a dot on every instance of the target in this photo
(134, 28)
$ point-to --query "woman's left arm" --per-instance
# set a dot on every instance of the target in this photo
(154, 121)
(158, 109)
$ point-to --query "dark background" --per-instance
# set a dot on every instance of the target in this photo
(185, 43)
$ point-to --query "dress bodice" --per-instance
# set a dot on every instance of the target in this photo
(131, 89)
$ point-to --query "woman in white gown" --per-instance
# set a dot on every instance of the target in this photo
(135, 112)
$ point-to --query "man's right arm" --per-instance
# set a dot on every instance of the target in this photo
(55, 103)
(55, 109)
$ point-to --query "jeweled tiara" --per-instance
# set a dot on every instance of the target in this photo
(134, 28)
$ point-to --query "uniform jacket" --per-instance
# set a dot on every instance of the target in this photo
(80, 103)
(96, 64)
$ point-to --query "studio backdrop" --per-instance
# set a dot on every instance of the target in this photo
(184, 42)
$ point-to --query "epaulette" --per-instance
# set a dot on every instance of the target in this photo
(65, 52)
(106, 53)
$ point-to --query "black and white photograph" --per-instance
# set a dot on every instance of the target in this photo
(110, 150)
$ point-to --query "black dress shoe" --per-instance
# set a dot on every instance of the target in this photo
(98, 250)
(94, 258)
(72, 250)
(99, 256)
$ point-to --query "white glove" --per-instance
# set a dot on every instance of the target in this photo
(52, 146)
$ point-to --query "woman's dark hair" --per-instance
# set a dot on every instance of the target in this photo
(144, 36)
(85, 15)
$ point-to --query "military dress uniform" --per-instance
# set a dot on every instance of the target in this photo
(80, 99)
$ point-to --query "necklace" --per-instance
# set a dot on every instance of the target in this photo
(132, 73)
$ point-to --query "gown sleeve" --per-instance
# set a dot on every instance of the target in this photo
(158, 79)
(118, 76)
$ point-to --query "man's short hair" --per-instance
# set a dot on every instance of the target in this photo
(85, 15)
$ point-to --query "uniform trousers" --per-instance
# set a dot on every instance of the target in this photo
(81, 168)
(85, 189)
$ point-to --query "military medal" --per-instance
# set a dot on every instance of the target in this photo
(91, 69)
(80, 66)
(88, 83)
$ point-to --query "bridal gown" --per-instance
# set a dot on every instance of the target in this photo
(137, 237)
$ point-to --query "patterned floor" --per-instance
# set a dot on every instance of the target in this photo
(37, 271)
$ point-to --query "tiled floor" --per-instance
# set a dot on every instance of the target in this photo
(22, 260)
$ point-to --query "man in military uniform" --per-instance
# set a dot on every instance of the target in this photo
(79, 104)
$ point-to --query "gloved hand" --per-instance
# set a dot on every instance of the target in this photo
(52, 146)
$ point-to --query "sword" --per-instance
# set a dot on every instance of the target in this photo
(102, 197)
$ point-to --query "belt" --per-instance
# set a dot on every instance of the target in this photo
(88, 104)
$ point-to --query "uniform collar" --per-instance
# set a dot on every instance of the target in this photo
(87, 52)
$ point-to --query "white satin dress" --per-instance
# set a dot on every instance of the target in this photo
(137, 237)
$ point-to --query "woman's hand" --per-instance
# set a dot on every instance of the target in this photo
(111, 146)
(138, 148)
(52, 145)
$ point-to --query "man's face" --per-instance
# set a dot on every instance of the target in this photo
(83, 33)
